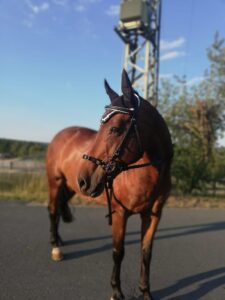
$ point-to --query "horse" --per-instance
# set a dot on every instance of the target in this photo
(126, 162)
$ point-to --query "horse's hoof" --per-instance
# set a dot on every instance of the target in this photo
(56, 254)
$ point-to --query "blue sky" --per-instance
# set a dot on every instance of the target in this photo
(54, 55)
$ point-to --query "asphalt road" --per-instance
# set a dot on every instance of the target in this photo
(188, 259)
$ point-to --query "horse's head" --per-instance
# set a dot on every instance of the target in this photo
(117, 143)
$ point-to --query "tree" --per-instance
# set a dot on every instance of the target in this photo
(196, 118)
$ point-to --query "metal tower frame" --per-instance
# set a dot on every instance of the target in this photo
(141, 59)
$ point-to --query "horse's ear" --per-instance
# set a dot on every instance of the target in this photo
(126, 88)
(112, 95)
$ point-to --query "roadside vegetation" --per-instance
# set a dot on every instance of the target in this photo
(23, 186)
(195, 114)
(22, 174)
(13, 148)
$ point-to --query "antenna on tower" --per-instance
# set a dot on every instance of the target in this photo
(139, 29)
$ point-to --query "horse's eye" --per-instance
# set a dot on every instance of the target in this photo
(114, 130)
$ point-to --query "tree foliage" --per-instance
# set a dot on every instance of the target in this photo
(22, 149)
(196, 118)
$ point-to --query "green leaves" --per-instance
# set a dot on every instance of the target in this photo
(22, 149)
(196, 118)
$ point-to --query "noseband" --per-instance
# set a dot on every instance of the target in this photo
(113, 165)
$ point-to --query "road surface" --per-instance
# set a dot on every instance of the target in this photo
(188, 259)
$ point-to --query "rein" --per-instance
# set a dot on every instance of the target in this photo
(113, 166)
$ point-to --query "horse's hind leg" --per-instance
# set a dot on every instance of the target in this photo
(54, 215)
(58, 205)
(118, 232)
(64, 196)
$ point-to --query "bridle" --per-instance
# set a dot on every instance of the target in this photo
(113, 165)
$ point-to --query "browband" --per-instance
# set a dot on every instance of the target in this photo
(118, 109)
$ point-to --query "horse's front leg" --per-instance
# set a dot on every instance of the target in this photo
(150, 222)
(119, 220)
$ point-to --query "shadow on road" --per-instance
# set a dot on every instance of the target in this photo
(89, 250)
(176, 232)
(189, 230)
(93, 239)
(205, 281)
(202, 283)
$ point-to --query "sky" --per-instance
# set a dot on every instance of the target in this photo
(55, 54)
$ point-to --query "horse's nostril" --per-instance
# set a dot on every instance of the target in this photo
(82, 184)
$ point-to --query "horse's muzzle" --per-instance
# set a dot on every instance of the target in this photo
(90, 186)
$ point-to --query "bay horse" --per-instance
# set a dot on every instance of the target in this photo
(127, 162)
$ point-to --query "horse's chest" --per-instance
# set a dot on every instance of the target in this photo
(134, 188)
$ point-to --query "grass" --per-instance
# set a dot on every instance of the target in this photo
(32, 186)
(27, 186)
(196, 201)
(23, 186)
